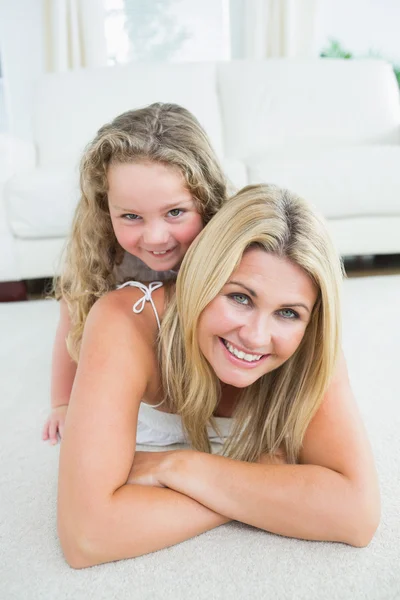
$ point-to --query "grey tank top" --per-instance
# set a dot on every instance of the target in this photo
(155, 427)
(132, 268)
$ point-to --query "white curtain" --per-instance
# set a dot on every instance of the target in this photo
(74, 34)
(278, 28)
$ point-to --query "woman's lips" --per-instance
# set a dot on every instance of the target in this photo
(240, 361)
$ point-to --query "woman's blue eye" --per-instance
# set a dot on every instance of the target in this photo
(175, 212)
(131, 217)
(288, 313)
(240, 299)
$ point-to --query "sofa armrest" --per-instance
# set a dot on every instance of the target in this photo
(15, 155)
(9, 270)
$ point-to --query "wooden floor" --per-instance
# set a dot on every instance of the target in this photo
(38, 288)
(365, 266)
(369, 266)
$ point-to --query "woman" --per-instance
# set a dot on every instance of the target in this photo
(253, 334)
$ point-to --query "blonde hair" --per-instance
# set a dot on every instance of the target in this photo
(276, 410)
(162, 133)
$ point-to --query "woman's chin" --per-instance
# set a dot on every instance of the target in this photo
(237, 380)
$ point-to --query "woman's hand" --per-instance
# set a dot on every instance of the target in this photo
(149, 468)
(153, 468)
(278, 458)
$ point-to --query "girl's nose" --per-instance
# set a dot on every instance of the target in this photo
(155, 234)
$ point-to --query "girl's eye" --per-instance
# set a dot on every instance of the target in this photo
(240, 299)
(175, 212)
(131, 217)
(288, 313)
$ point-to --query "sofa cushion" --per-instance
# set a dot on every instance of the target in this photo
(340, 182)
(69, 108)
(236, 172)
(41, 203)
(283, 102)
(15, 155)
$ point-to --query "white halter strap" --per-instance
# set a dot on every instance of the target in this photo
(147, 291)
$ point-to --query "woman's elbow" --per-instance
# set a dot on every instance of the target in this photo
(77, 550)
(362, 537)
(77, 543)
(366, 523)
(367, 531)
(76, 557)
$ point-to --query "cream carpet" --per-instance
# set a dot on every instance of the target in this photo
(233, 561)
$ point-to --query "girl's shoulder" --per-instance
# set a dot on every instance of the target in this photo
(113, 326)
(140, 305)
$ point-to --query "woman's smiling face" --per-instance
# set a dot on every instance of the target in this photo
(258, 320)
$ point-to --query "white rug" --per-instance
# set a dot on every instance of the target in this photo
(233, 561)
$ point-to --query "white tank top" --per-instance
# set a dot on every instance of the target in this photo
(155, 427)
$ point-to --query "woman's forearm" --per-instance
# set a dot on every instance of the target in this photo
(137, 520)
(302, 501)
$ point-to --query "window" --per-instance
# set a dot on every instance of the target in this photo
(167, 30)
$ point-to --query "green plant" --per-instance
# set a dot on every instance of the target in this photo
(336, 50)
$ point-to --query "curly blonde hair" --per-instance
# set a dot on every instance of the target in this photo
(276, 410)
(161, 133)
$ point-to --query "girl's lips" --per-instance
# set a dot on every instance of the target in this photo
(164, 253)
(240, 362)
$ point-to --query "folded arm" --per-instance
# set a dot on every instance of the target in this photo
(332, 495)
(100, 517)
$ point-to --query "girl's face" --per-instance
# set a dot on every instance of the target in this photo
(152, 212)
(258, 319)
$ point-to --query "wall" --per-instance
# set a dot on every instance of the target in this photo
(21, 35)
(360, 26)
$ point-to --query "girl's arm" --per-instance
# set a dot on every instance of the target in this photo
(63, 372)
(101, 518)
(63, 368)
(332, 495)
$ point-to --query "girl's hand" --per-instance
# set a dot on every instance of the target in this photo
(149, 467)
(54, 425)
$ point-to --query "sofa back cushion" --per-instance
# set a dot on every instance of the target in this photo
(280, 103)
(70, 107)
(342, 182)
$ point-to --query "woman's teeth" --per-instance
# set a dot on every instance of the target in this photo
(240, 354)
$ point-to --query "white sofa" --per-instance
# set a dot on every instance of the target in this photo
(328, 129)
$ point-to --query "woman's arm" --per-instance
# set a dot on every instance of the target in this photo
(332, 495)
(100, 517)
(63, 372)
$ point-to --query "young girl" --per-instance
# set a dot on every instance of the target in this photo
(150, 181)
(250, 349)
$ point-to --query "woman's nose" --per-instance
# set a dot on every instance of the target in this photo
(257, 334)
